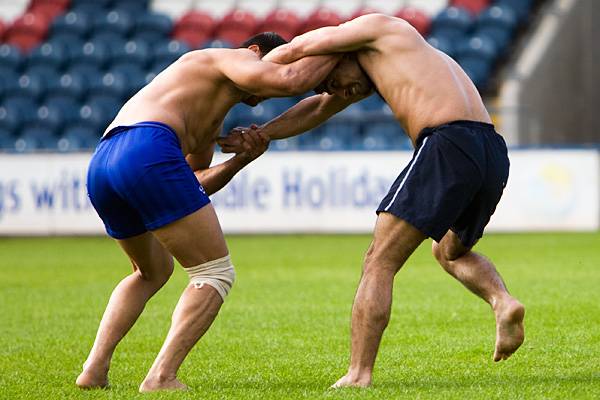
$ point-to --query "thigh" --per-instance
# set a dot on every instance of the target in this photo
(394, 240)
(195, 238)
(147, 255)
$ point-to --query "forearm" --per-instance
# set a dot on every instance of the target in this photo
(215, 178)
(307, 73)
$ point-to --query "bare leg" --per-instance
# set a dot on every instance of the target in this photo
(479, 275)
(394, 241)
(193, 240)
(152, 266)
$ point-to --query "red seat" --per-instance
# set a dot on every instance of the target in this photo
(196, 20)
(417, 18)
(473, 6)
(25, 41)
(321, 17)
(48, 10)
(2, 30)
(284, 22)
(61, 3)
(236, 27)
(193, 37)
(239, 19)
(36, 24)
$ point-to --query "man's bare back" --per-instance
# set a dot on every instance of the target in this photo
(423, 86)
(195, 93)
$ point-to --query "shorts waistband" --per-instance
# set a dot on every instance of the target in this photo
(462, 123)
(144, 124)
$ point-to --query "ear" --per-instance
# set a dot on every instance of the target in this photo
(256, 49)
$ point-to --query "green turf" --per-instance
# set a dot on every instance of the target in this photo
(284, 331)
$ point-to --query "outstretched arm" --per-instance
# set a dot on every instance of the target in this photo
(357, 34)
(306, 115)
(267, 79)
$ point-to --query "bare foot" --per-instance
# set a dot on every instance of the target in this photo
(510, 332)
(93, 377)
(348, 381)
(151, 384)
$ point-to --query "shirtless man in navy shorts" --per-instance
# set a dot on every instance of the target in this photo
(141, 181)
(449, 190)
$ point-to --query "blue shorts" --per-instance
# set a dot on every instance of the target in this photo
(138, 180)
(454, 181)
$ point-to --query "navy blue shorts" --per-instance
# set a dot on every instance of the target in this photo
(138, 180)
(454, 181)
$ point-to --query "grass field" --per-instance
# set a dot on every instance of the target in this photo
(284, 331)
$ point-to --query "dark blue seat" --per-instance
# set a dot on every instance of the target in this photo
(115, 22)
(109, 105)
(10, 57)
(113, 85)
(93, 117)
(34, 139)
(478, 70)
(7, 80)
(7, 140)
(373, 104)
(78, 138)
(136, 76)
(91, 8)
(69, 108)
(338, 137)
(478, 48)
(152, 27)
(259, 114)
(46, 73)
(105, 4)
(288, 144)
(169, 51)
(31, 86)
(68, 85)
(452, 22)
(48, 54)
(310, 141)
(23, 107)
(384, 135)
(133, 51)
(443, 44)
(47, 118)
(498, 23)
(280, 104)
(110, 40)
(10, 120)
(133, 7)
(86, 72)
(69, 42)
(94, 53)
(521, 8)
(232, 119)
(72, 24)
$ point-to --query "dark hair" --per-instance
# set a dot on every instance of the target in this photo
(265, 41)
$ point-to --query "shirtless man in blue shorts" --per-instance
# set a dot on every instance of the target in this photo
(142, 183)
(449, 190)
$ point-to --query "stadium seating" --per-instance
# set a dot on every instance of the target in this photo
(66, 66)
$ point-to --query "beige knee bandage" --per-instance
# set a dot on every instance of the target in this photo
(217, 273)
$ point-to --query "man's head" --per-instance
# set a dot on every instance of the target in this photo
(261, 44)
(347, 79)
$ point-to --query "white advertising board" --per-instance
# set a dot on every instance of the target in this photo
(306, 192)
